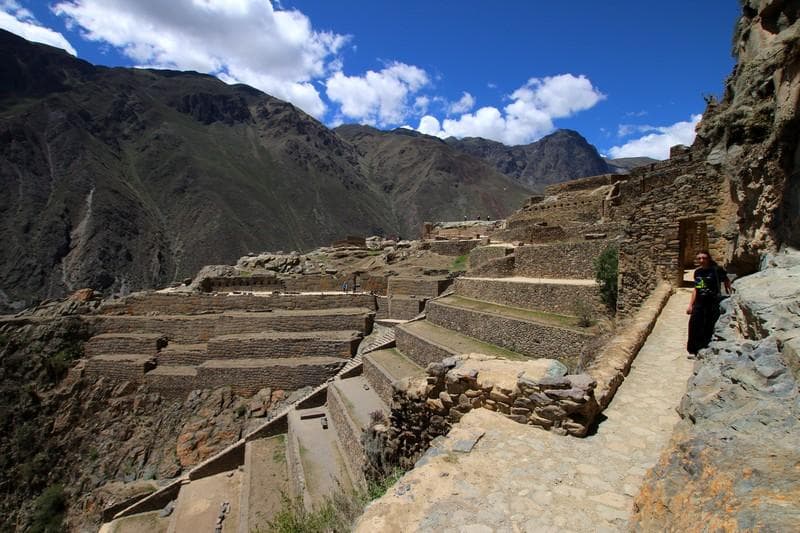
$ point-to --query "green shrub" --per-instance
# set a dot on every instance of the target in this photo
(48, 511)
(460, 263)
(585, 313)
(606, 268)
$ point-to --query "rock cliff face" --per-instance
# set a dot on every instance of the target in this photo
(561, 156)
(732, 463)
(752, 136)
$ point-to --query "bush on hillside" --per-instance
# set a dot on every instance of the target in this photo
(606, 268)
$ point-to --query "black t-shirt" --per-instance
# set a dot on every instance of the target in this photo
(707, 281)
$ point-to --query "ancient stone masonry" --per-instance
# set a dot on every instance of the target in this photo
(526, 337)
(454, 247)
(549, 297)
(149, 303)
(538, 393)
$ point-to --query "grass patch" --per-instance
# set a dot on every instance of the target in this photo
(516, 312)
(337, 513)
(460, 263)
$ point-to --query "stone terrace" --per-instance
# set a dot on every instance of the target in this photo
(179, 342)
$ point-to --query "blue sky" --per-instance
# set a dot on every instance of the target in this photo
(628, 75)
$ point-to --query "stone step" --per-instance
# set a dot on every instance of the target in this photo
(265, 479)
(424, 343)
(176, 354)
(384, 367)
(315, 463)
(120, 367)
(202, 501)
(122, 343)
(530, 333)
(278, 344)
(351, 403)
(193, 329)
(562, 296)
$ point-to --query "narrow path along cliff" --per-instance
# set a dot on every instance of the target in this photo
(516, 478)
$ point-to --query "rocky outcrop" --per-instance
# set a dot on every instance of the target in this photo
(561, 156)
(732, 463)
(752, 136)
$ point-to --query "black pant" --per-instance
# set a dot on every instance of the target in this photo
(705, 313)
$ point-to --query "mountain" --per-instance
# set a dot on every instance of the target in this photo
(120, 179)
(428, 180)
(622, 165)
(561, 156)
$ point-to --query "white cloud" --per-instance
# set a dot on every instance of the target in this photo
(378, 98)
(464, 104)
(18, 20)
(657, 143)
(246, 41)
(528, 117)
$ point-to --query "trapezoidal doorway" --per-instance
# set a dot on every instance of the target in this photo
(693, 237)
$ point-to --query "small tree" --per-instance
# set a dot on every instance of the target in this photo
(606, 268)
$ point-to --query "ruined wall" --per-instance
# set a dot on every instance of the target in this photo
(574, 260)
(548, 297)
(651, 249)
(200, 328)
(284, 344)
(148, 303)
(484, 254)
(426, 287)
(454, 247)
(524, 337)
(247, 376)
(405, 308)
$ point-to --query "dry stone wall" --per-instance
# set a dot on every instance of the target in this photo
(537, 393)
(549, 297)
(651, 249)
(571, 260)
(485, 254)
(405, 307)
(284, 344)
(523, 336)
(150, 303)
(200, 328)
(418, 350)
(248, 376)
(456, 247)
(422, 287)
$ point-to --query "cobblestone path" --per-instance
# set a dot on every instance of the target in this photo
(517, 478)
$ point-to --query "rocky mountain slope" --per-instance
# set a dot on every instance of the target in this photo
(561, 156)
(120, 178)
(418, 171)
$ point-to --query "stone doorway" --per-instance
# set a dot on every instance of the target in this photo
(693, 237)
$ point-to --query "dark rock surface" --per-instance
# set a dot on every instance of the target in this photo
(561, 156)
(734, 461)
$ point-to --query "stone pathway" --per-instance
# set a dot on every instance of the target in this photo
(517, 478)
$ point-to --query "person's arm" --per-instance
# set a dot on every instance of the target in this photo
(726, 281)
(691, 302)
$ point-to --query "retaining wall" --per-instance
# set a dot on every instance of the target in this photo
(419, 350)
(571, 260)
(349, 435)
(525, 337)
(176, 303)
(549, 297)
(248, 376)
(405, 308)
(284, 344)
(147, 344)
(118, 368)
(200, 328)
(424, 287)
(453, 247)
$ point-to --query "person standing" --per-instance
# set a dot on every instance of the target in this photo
(704, 305)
